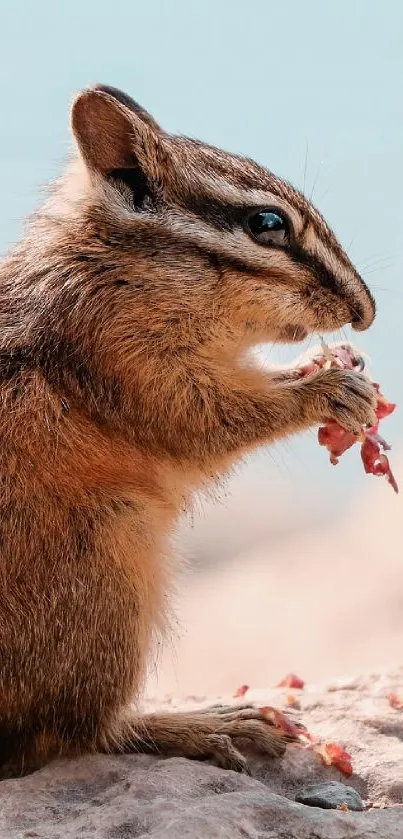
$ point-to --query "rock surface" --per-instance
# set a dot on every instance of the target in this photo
(330, 795)
(120, 797)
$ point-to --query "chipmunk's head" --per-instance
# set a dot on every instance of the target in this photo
(200, 231)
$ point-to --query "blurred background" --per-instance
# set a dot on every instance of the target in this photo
(298, 565)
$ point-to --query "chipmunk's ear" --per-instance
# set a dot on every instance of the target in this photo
(114, 133)
(129, 103)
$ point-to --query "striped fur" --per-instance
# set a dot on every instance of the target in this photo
(126, 313)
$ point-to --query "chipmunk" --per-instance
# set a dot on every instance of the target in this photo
(126, 316)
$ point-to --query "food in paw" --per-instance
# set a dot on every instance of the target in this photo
(335, 438)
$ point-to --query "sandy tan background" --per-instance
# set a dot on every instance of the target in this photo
(288, 572)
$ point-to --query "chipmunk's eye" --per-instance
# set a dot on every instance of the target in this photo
(269, 228)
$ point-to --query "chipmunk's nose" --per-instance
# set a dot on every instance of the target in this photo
(363, 308)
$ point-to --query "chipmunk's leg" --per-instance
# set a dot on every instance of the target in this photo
(220, 735)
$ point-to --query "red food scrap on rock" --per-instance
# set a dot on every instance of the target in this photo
(291, 681)
(241, 691)
(395, 701)
(333, 755)
(280, 721)
(291, 699)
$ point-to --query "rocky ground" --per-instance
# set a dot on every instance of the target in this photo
(142, 796)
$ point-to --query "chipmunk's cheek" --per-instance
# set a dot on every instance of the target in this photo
(292, 334)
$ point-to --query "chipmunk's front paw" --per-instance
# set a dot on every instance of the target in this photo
(345, 396)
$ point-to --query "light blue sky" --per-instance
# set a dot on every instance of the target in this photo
(315, 85)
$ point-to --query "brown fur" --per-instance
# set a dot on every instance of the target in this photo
(125, 386)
